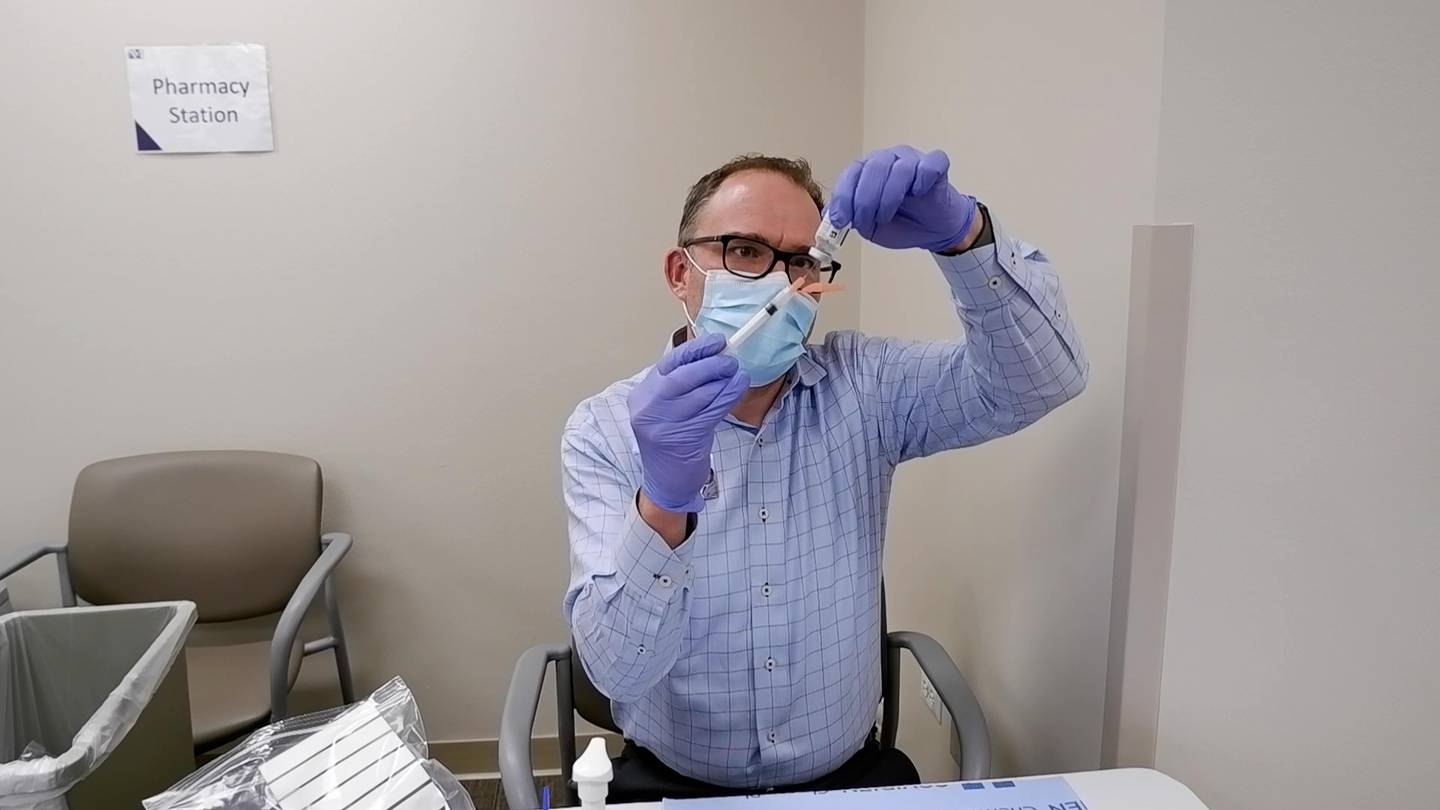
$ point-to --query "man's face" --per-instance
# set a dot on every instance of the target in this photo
(764, 205)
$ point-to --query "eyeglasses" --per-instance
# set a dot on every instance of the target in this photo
(750, 258)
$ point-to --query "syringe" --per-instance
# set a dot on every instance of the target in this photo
(798, 286)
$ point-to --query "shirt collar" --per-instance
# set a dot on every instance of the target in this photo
(805, 369)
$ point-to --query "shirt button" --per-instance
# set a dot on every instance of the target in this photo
(641, 649)
(771, 735)
(764, 513)
(766, 590)
(666, 581)
(770, 664)
(993, 283)
(760, 441)
(687, 570)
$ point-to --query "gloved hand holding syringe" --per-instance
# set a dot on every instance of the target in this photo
(675, 409)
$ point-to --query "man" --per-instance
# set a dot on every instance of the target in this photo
(727, 515)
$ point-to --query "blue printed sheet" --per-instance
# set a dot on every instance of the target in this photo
(1045, 793)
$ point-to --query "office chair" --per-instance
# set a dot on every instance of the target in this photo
(574, 693)
(235, 532)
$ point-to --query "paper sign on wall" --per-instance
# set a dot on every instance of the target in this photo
(200, 98)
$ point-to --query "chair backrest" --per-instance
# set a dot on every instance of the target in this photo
(595, 707)
(885, 673)
(589, 702)
(233, 531)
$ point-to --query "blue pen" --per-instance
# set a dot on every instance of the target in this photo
(545, 798)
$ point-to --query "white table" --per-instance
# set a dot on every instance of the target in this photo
(1125, 789)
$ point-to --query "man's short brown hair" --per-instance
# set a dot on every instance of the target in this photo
(797, 169)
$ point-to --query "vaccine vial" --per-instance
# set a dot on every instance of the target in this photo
(828, 239)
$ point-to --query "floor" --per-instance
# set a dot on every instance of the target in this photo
(487, 794)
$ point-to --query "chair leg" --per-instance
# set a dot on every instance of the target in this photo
(565, 715)
(67, 589)
(890, 719)
(341, 650)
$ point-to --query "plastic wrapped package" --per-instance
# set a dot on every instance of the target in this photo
(369, 755)
(94, 705)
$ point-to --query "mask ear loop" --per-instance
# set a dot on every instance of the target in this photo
(694, 330)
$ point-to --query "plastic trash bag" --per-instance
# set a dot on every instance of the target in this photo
(318, 757)
(74, 681)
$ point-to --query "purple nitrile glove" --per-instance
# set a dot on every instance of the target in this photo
(674, 412)
(901, 198)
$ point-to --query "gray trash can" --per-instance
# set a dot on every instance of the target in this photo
(94, 705)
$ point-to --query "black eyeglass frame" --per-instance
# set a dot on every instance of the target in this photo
(782, 257)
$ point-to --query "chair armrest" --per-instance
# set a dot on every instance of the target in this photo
(959, 700)
(33, 553)
(334, 547)
(517, 776)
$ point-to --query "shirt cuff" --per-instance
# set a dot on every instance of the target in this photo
(647, 564)
(988, 276)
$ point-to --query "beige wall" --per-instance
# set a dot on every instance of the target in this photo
(457, 238)
(1004, 551)
(1301, 651)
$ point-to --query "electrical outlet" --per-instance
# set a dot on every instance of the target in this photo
(932, 700)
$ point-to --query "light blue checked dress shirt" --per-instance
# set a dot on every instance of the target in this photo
(749, 656)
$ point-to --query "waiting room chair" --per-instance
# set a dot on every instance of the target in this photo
(574, 693)
(235, 532)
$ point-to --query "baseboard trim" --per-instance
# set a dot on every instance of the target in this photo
(480, 759)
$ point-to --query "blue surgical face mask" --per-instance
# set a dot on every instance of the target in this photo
(730, 301)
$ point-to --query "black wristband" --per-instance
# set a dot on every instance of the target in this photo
(692, 520)
(987, 233)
